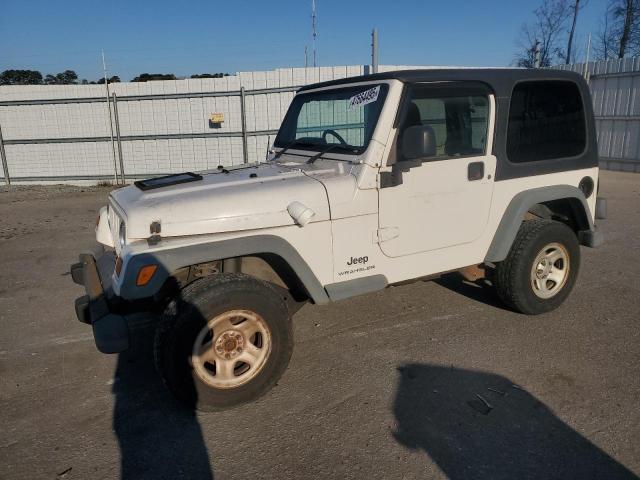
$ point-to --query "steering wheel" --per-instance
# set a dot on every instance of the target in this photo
(335, 134)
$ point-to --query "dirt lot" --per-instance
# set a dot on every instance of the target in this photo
(389, 385)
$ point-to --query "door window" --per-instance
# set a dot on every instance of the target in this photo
(458, 115)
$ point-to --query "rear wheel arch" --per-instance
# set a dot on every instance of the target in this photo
(570, 211)
(564, 203)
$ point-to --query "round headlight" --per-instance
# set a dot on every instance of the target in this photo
(122, 236)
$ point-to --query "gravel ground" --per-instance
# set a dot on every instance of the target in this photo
(429, 380)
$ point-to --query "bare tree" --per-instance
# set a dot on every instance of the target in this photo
(604, 44)
(619, 34)
(545, 31)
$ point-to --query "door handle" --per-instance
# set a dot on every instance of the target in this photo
(475, 171)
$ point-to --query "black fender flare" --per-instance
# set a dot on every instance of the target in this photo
(171, 259)
(519, 205)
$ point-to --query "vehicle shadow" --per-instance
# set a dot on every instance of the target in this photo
(158, 438)
(480, 290)
(475, 424)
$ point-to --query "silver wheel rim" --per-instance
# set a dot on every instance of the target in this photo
(550, 270)
(231, 349)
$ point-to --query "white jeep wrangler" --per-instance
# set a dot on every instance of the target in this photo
(372, 181)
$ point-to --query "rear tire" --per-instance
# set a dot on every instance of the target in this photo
(225, 340)
(540, 269)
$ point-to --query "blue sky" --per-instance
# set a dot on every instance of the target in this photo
(186, 37)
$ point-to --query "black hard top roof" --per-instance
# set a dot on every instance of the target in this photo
(500, 79)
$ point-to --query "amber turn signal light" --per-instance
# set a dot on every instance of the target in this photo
(145, 274)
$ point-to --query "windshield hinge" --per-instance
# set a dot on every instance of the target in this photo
(386, 234)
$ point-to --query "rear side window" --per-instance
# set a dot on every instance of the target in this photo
(546, 121)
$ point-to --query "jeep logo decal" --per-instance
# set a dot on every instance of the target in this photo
(353, 261)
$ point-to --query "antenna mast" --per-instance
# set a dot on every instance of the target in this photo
(113, 145)
(374, 50)
(314, 32)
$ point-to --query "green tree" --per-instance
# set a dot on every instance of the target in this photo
(68, 77)
(147, 77)
(114, 79)
(210, 75)
(20, 77)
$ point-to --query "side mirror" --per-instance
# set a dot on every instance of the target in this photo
(419, 141)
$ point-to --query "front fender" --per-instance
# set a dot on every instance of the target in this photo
(172, 259)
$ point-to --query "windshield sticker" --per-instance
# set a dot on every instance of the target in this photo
(364, 98)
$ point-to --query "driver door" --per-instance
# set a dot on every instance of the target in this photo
(443, 199)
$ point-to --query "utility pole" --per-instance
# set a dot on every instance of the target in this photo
(586, 62)
(313, 30)
(113, 145)
(536, 52)
(629, 8)
(306, 57)
(374, 50)
(576, 9)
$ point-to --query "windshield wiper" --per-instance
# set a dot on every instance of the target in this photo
(343, 146)
(289, 145)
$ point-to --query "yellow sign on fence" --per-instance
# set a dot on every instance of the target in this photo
(217, 117)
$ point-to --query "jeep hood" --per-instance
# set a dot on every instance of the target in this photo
(251, 197)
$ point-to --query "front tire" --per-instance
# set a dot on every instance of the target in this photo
(225, 340)
(540, 269)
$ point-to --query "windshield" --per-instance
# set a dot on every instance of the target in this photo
(344, 117)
